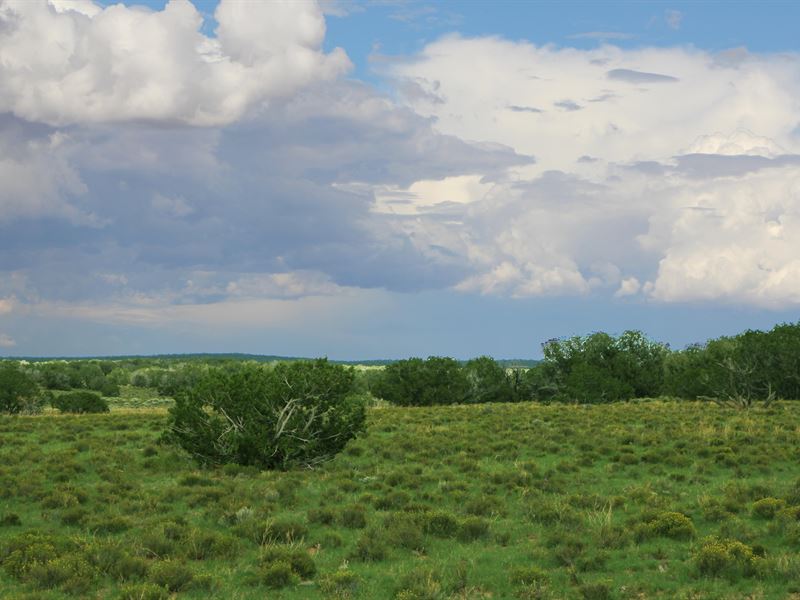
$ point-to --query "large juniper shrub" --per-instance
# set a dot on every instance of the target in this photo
(301, 412)
(80, 402)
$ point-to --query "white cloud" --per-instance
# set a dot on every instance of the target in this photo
(685, 214)
(740, 142)
(628, 287)
(636, 104)
(733, 239)
(426, 194)
(68, 62)
(6, 341)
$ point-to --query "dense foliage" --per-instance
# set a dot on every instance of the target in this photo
(599, 368)
(417, 382)
(268, 417)
(80, 401)
(751, 367)
(18, 391)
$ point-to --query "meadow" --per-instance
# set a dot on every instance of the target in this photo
(640, 499)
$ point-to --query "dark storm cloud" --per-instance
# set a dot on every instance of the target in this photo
(173, 205)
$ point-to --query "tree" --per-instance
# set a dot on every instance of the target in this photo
(600, 368)
(417, 382)
(297, 413)
(488, 381)
(19, 393)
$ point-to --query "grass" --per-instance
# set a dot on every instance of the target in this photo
(649, 499)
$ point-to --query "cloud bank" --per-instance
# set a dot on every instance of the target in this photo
(151, 172)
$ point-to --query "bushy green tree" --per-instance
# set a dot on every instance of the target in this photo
(488, 381)
(417, 382)
(19, 393)
(172, 381)
(745, 368)
(81, 401)
(295, 413)
(601, 368)
(686, 373)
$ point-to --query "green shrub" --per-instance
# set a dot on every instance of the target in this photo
(353, 517)
(371, 546)
(298, 559)
(322, 516)
(202, 545)
(420, 584)
(143, 591)
(295, 413)
(339, 585)
(278, 575)
(26, 550)
(441, 524)
(767, 508)
(69, 572)
(80, 402)
(472, 528)
(10, 520)
(726, 557)
(599, 590)
(672, 525)
(172, 575)
(404, 531)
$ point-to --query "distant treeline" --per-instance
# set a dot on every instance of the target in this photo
(754, 365)
(166, 360)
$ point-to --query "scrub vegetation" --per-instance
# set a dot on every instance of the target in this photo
(485, 496)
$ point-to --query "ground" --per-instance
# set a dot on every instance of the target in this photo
(487, 501)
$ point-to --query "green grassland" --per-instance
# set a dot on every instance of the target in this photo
(485, 501)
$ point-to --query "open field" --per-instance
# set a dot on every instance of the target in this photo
(488, 501)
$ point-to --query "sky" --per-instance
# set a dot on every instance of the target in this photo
(384, 179)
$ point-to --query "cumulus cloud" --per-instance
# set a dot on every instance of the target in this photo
(628, 287)
(665, 99)
(695, 202)
(75, 62)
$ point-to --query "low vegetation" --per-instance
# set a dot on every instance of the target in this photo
(653, 499)
(294, 413)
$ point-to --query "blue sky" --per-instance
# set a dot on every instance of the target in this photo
(386, 179)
